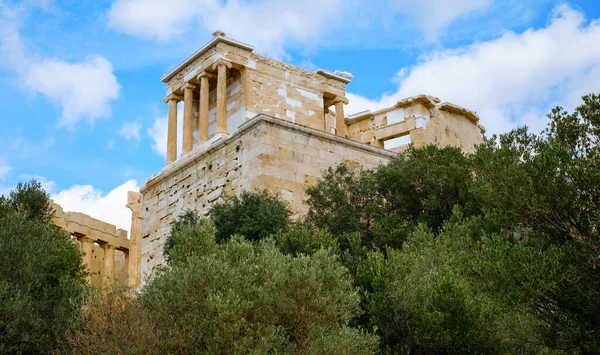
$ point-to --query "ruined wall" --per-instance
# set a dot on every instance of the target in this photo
(421, 121)
(265, 152)
(81, 225)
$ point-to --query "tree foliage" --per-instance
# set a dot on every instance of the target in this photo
(255, 215)
(236, 297)
(41, 275)
(494, 252)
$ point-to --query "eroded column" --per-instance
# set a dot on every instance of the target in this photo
(172, 100)
(87, 245)
(203, 106)
(188, 117)
(340, 122)
(221, 67)
(134, 262)
(108, 269)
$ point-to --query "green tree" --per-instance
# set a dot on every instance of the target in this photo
(41, 281)
(255, 215)
(29, 199)
(236, 297)
(386, 204)
(299, 238)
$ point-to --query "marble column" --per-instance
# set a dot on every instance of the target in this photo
(172, 100)
(340, 122)
(221, 67)
(87, 245)
(188, 117)
(203, 105)
(108, 269)
(134, 262)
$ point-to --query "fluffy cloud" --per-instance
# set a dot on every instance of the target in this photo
(158, 132)
(83, 89)
(512, 80)
(299, 21)
(108, 207)
(434, 15)
(131, 131)
(158, 19)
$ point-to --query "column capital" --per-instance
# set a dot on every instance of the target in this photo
(85, 238)
(172, 97)
(108, 246)
(205, 74)
(338, 99)
(189, 85)
(220, 62)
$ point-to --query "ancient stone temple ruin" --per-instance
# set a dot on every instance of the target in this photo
(109, 256)
(251, 122)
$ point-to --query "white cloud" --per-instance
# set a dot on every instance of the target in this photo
(434, 15)
(267, 24)
(131, 131)
(158, 132)
(512, 80)
(89, 200)
(4, 170)
(83, 89)
(158, 19)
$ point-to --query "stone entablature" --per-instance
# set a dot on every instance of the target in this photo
(109, 256)
(264, 153)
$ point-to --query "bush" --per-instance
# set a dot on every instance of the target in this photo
(184, 221)
(41, 277)
(254, 215)
(301, 239)
(235, 297)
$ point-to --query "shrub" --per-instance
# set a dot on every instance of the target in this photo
(41, 277)
(233, 297)
(254, 215)
(301, 239)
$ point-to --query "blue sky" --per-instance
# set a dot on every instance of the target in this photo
(81, 99)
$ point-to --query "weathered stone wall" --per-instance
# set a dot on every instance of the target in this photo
(422, 121)
(265, 152)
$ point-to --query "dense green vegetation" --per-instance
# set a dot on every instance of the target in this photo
(437, 252)
(41, 276)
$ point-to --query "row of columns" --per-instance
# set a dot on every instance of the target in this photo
(107, 270)
(133, 255)
(203, 78)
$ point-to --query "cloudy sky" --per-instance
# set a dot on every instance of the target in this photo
(81, 99)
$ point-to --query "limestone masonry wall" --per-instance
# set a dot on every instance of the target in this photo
(265, 152)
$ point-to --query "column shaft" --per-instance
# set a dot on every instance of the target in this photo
(340, 122)
(222, 98)
(188, 117)
(203, 108)
(172, 131)
(108, 271)
(87, 246)
(134, 262)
